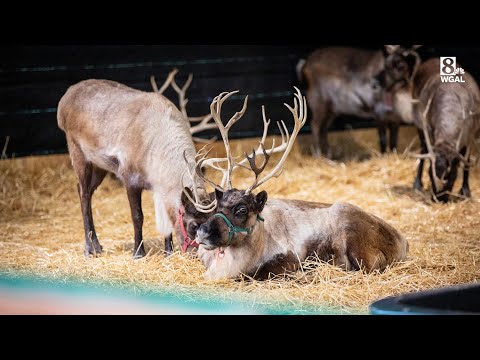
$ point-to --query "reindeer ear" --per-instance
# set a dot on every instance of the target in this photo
(184, 197)
(218, 194)
(391, 48)
(260, 200)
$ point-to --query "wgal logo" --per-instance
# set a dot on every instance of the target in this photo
(449, 71)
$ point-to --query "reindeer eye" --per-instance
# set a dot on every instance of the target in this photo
(193, 227)
(241, 211)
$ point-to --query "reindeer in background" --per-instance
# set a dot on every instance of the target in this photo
(246, 234)
(448, 121)
(138, 136)
(363, 83)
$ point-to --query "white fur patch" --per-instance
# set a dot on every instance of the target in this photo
(403, 106)
(164, 226)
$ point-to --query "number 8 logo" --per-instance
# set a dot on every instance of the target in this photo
(448, 63)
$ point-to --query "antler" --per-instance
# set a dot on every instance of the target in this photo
(430, 154)
(216, 108)
(200, 204)
(204, 120)
(299, 112)
(260, 150)
(182, 103)
(391, 48)
(166, 84)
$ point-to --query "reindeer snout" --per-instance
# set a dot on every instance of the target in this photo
(208, 235)
(203, 231)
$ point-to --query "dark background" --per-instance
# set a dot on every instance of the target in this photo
(33, 79)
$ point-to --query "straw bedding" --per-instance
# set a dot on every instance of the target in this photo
(41, 228)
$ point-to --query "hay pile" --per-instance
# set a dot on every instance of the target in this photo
(41, 228)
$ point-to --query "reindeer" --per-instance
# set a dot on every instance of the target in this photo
(363, 83)
(448, 121)
(189, 217)
(139, 137)
(246, 234)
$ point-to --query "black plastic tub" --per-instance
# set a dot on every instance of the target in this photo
(456, 300)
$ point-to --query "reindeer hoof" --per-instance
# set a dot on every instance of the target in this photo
(417, 185)
(138, 254)
(442, 198)
(168, 246)
(465, 193)
(316, 153)
(93, 250)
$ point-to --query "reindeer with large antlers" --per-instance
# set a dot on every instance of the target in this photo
(190, 215)
(448, 121)
(246, 234)
(138, 136)
(203, 121)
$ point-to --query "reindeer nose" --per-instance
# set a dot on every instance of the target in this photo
(203, 231)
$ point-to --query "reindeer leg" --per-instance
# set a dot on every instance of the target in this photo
(135, 199)
(168, 244)
(316, 121)
(418, 185)
(382, 135)
(324, 146)
(320, 121)
(465, 191)
(89, 178)
(393, 136)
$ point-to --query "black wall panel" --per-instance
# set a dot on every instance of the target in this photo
(33, 79)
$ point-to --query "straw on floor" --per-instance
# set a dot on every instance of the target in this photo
(41, 228)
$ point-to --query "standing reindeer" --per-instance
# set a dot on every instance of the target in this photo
(246, 234)
(138, 136)
(363, 83)
(448, 121)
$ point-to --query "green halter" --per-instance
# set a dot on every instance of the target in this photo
(234, 229)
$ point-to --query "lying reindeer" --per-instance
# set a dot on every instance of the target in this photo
(248, 235)
(363, 83)
(138, 136)
(448, 121)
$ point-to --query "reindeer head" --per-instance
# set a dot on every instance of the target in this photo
(447, 159)
(236, 216)
(401, 64)
(237, 212)
(190, 219)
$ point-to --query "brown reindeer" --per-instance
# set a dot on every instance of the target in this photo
(246, 234)
(138, 136)
(364, 83)
(448, 121)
